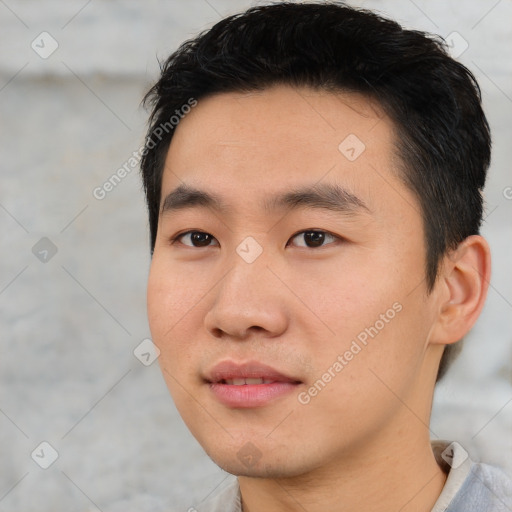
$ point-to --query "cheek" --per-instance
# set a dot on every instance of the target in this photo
(347, 293)
(371, 317)
(170, 298)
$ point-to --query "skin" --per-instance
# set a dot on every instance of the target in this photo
(363, 441)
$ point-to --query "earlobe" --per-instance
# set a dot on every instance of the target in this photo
(464, 282)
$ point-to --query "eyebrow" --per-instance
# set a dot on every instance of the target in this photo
(325, 196)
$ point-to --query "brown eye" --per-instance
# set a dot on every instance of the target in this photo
(314, 238)
(195, 238)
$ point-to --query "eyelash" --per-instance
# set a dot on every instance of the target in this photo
(175, 239)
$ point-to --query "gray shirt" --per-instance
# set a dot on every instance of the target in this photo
(470, 486)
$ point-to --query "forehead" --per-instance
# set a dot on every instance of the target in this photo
(247, 145)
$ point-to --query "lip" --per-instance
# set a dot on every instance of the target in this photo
(277, 384)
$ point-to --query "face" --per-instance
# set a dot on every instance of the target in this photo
(291, 309)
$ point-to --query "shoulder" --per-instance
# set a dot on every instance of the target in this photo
(470, 486)
(486, 489)
(225, 499)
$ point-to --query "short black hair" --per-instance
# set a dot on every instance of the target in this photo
(442, 136)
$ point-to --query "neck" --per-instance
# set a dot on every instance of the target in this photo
(400, 473)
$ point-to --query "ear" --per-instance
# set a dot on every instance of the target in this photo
(462, 289)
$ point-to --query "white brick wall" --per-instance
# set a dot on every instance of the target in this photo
(69, 326)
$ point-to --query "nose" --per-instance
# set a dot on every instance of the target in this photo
(250, 299)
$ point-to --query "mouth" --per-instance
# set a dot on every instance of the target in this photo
(248, 385)
(246, 382)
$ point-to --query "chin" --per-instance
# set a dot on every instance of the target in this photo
(258, 471)
(249, 461)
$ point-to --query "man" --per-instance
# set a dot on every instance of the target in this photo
(313, 175)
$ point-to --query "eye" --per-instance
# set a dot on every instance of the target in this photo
(195, 238)
(314, 238)
(311, 238)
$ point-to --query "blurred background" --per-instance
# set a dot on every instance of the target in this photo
(73, 265)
